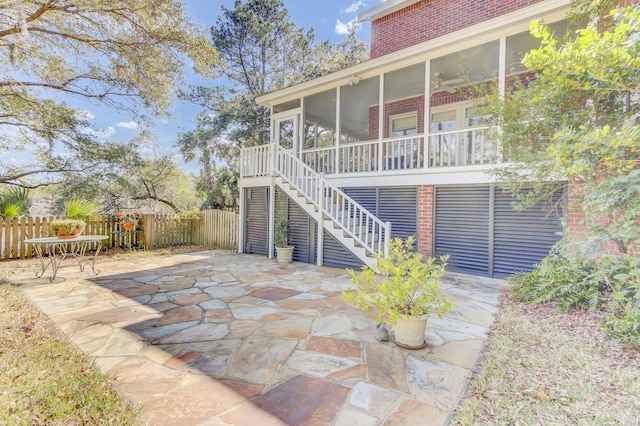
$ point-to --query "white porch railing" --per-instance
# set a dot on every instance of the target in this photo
(322, 160)
(366, 229)
(255, 161)
(465, 147)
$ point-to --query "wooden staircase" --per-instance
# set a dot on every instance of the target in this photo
(352, 225)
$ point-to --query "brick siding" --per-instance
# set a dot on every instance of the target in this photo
(576, 227)
(429, 19)
(425, 220)
(403, 106)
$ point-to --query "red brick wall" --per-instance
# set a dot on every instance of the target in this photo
(575, 217)
(576, 227)
(402, 106)
(444, 98)
(425, 220)
(429, 19)
(373, 122)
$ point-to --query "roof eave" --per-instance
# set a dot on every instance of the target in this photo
(383, 9)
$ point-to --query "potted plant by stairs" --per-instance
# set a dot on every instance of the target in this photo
(401, 290)
(284, 252)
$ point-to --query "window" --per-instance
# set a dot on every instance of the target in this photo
(456, 116)
(404, 124)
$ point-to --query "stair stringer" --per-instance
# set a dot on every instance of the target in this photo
(333, 227)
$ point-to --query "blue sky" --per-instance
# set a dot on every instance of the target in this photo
(328, 18)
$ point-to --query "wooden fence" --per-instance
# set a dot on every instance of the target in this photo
(215, 230)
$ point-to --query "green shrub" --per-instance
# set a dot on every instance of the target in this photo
(281, 235)
(622, 312)
(571, 283)
(400, 284)
(77, 207)
(610, 284)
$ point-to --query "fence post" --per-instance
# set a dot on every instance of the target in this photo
(147, 226)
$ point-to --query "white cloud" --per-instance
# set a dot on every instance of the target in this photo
(128, 125)
(354, 7)
(88, 115)
(102, 134)
(344, 28)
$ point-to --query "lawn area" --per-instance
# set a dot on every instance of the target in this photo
(46, 381)
(548, 367)
(43, 379)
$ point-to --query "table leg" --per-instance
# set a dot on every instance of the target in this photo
(95, 256)
(44, 265)
(55, 259)
(80, 251)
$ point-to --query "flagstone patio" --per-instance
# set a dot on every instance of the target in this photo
(216, 338)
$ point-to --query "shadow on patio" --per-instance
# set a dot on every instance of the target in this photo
(222, 338)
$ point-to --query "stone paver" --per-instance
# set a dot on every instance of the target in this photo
(218, 338)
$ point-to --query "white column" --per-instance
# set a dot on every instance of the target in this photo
(241, 218)
(272, 210)
(427, 112)
(337, 132)
(502, 81)
(380, 121)
(320, 219)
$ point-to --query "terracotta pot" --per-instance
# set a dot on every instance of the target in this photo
(67, 237)
(409, 332)
(128, 226)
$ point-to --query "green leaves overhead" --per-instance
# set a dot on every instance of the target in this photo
(578, 120)
(123, 54)
(260, 51)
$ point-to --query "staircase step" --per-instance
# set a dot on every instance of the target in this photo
(342, 226)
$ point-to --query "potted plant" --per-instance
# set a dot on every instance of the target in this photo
(284, 252)
(67, 228)
(404, 293)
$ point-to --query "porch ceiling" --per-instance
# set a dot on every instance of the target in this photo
(476, 35)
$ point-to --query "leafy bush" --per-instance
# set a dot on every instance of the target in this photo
(407, 285)
(622, 312)
(77, 207)
(14, 202)
(281, 235)
(611, 285)
(67, 226)
(571, 283)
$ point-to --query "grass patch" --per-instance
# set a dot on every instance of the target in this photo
(45, 380)
(542, 369)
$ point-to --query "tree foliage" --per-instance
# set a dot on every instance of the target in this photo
(138, 178)
(577, 121)
(124, 54)
(14, 202)
(261, 51)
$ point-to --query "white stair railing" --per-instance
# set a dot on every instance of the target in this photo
(365, 228)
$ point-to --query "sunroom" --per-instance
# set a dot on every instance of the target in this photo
(335, 124)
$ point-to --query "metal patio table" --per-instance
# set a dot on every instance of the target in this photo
(59, 249)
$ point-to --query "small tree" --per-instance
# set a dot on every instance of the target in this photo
(577, 121)
(261, 50)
